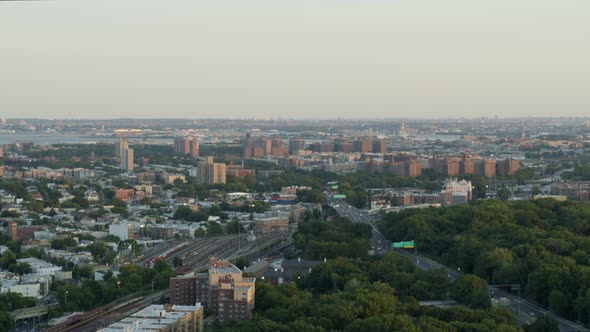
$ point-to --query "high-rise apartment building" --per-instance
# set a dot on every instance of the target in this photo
(453, 167)
(223, 291)
(485, 167)
(211, 173)
(219, 173)
(414, 168)
(342, 144)
(322, 147)
(446, 166)
(489, 168)
(125, 154)
(507, 167)
(380, 146)
(13, 231)
(120, 146)
(468, 166)
(363, 145)
(296, 145)
(411, 168)
(127, 159)
(277, 147)
(344, 147)
(248, 146)
(263, 146)
(187, 145)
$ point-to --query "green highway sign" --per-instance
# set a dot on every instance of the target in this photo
(339, 196)
(403, 245)
(409, 244)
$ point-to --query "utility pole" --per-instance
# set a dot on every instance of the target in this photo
(239, 237)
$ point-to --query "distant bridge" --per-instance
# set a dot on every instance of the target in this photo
(38, 311)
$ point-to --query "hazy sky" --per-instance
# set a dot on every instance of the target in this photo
(279, 58)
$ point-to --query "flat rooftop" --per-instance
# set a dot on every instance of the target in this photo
(151, 318)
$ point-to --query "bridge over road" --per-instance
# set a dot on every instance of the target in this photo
(32, 312)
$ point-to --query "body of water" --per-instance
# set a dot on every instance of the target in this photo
(443, 138)
(48, 139)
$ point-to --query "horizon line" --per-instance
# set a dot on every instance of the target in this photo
(311, 118)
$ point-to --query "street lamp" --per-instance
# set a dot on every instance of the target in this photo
(118, 283)
(252, 206)
(66, 299)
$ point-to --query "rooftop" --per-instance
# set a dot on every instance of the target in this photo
(151, 318)
(222, 267)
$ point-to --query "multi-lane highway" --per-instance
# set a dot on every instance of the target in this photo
(528, 312)
(525, 311)
(378, 243)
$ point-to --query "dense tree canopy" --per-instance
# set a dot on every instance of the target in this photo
(365, 295)
(542, 245)
(471, 291)
(319, 239)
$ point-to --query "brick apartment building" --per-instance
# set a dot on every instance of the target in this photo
(222, 291)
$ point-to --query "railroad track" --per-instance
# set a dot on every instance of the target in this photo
(196, 253)
(107, 314)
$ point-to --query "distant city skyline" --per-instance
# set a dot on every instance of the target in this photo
(303, 59)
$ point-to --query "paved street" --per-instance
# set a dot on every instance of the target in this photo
(528, 312)
(378, 243)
